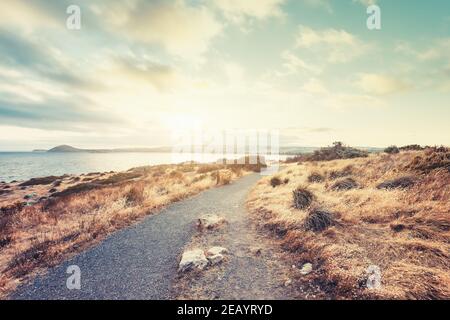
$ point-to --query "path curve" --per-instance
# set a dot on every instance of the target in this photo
(139, 262)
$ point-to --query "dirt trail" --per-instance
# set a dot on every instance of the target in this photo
(254, 267)
(140, 262)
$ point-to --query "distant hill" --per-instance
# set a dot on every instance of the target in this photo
(67, 148)
(283, 150)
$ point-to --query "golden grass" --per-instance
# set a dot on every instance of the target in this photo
(406, 232)
(33, 238)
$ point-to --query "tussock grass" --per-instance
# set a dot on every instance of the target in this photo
(403, 231)
(399, 183)
(315, 177)
(344, 184)
(275, 182)
(302, 198)
(318, 220)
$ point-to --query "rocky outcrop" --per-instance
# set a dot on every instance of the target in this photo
(193, 259)
(196, 259)
(215, 255)
(210, 222)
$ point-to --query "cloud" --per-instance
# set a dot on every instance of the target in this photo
(143, 70)
(314, 86)
(378, 84)
(325, 4)
(366, 2)
(183, 30)
(338, 46)
(345, 101)
(439, 48)
(27, 15)
(26, 55)
(294, 64)
(76, 115)
(239, 10)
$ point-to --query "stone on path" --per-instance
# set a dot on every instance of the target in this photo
(215, 254)
(193, 259)
(306, 269)
(210, 221)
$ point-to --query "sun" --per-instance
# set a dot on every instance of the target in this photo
(182, 122)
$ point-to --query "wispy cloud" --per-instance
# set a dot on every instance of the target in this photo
(239, 11)
(380, 84)
(181, 29)
(339, 46)
(56, 114)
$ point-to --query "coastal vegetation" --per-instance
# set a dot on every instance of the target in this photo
(388, 212)
(44, 221)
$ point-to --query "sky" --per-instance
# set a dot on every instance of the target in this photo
(138, 70)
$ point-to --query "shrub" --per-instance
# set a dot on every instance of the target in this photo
(315, 177)
(341, 173)
(225, 177)
(207, 168)
(400, 183)
(392, 150)
(275, 181)
(411, 147)
(176, 174)
(39, 181)
(237, 170)
(297, 158)
(136, 195)
(344, 184)
(434, 158)
(118, 178)
(199, 178)
(302, 198)
(337, 151)
(318, 220)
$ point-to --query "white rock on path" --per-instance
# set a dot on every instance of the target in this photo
(306, 269)
(215, 254)
(210, 221)
(193, 259)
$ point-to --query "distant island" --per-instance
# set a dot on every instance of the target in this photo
(287, 150)
(67, 148)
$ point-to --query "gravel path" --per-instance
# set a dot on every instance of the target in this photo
(140, 262)
(254, 269)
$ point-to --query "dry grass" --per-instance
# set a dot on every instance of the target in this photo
(404, 231)
(35, 237)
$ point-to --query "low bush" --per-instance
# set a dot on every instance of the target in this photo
(302, 198)
(275, 182)
(344, 184)
(318, 220)
(399, 183)
(335, 174)
(392, 150)
(315, 177)
(337, 151)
